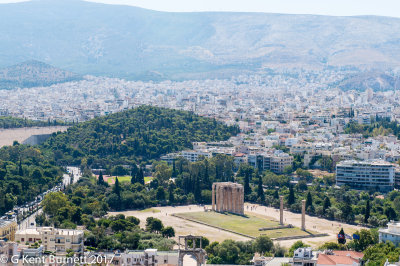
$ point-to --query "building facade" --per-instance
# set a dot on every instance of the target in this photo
(53, 239)
(366, 175)
(7, 230)
(391, 233)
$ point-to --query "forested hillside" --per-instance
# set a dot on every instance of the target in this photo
(14, 122)
(24, 173)
(143, 133)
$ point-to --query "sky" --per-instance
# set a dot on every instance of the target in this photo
(319, 7)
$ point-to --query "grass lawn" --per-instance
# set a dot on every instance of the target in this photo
(121, 179)
(248, 225)
(127, 178)
(150, 210)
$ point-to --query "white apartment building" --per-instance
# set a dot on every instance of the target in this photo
(53, 239)
(391, 233)
(366, 175)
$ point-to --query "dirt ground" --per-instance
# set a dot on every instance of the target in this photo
(183, 227)
(7, 136)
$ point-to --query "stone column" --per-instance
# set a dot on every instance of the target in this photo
(213, 196)
(230, 199)
(217, 198)
(303, 215)
(281, 210)
(235, 200)
(220, 198)
(241, 201)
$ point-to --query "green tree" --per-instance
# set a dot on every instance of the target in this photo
(291, 198)
(263, 244)
(327, 204)
(367, 211)
(168, 232)
(342, 239)
(309, 201)
(54, 201)
(117, 188)
(260, 190)
(101, 179)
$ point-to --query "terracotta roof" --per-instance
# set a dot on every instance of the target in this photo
(354, 254)
(340, 257)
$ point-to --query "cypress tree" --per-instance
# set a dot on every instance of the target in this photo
(327, 204)
(134, 173)
(20, 170)
(367, 212)
(247, 189)
(140, 176)
(308, 200)
(260, 191)
(342, 239)
(101, 179)
(197, 190)
(291, 198)
(174, 174)
(117, 188)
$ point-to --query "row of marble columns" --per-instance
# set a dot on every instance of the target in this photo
(228, 197)
(303, 213)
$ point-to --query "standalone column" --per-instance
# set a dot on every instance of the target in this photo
(213, 197)
(281, 210)
(235, 200)
(229, 191)
(241, 201)
(303, 215)
(217, 198)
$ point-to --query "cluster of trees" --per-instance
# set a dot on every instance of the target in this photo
(241, 253)
(105, 233)
(182, 183)
(133, 136)
(322, 199)
(379, 126)
(24, 173)
(14, 122)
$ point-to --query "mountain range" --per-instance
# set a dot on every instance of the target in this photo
(135, 43)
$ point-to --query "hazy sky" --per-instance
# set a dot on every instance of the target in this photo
(322, 7)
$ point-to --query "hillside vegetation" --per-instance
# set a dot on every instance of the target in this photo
(15, 122)
(143, 133)
(24, 173)
(33, 74)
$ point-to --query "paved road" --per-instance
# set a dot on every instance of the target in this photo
(30, 222)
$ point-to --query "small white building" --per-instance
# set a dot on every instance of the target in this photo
(391, 233)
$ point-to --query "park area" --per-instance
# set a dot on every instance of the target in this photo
(247, 225)
(122, 179)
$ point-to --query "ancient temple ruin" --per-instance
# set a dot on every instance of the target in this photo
(228, 197)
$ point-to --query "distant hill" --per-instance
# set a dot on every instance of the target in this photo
(135, 43)
(32, 74)
(143, 133)
(377, 81)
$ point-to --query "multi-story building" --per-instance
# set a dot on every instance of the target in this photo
(304, 257)
(275, 162)
(53, 239)
(391, 233)
(137, 257)
(8, 250)
(366, 175)
(7, 230)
